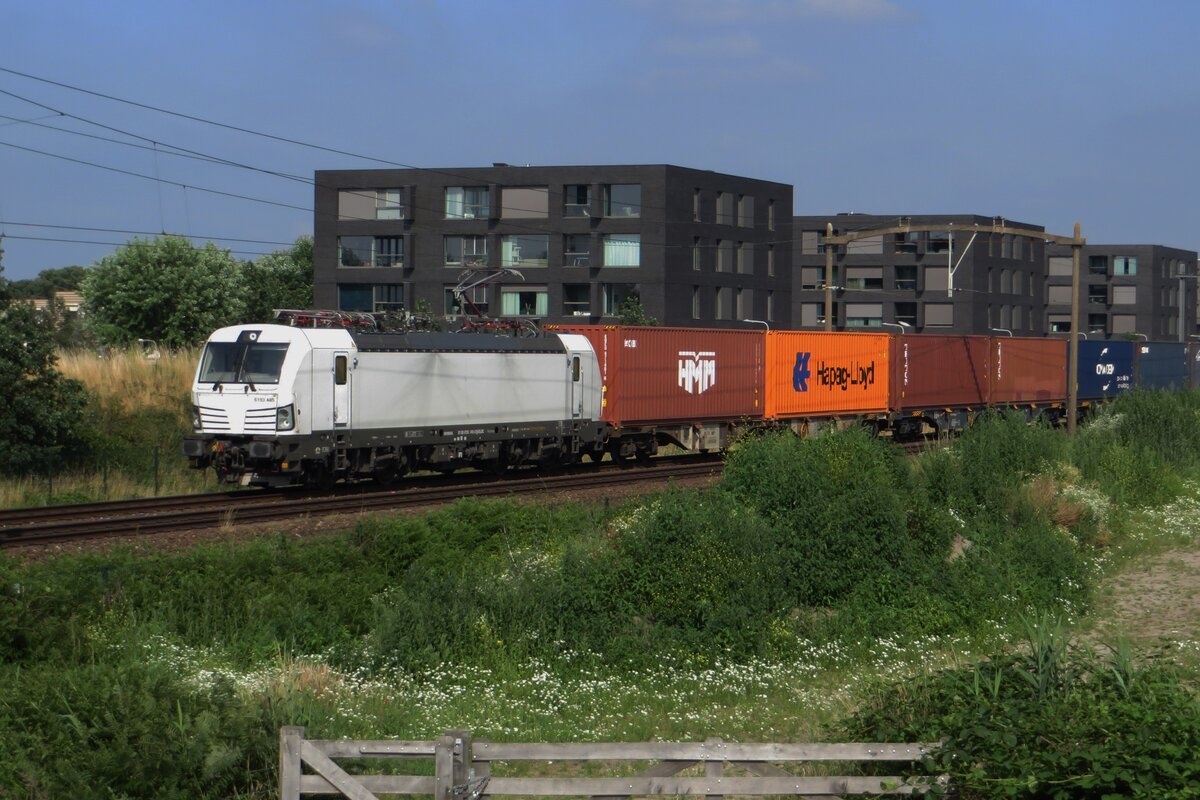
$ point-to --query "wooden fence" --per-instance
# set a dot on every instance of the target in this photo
(462, 769)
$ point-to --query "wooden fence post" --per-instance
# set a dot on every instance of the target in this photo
(463, 768)
(443, 768)
(714, 767)
(289, 761)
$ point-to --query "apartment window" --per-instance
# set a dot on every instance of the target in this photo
(1006, 246)
(724, 302)
(770, 306)
(906, 278)
(1124, 295)
(864, 315)
(744, 303)
(870, 245)
(812, 277)
(1097, 293)
(1018, 243)
(623, 200)
(1060, 266)
(937, 242)
(907, 242)
(524, 202)
(471, 251)
(1097, 265)
(1097, 323)
(577, 200)
(1005, 283)
(623, 250)
(724, 255)
(864, 277)
(770, 215)
(356, 204)
(577, 300)
(463, 305)
(745, 258)
(388, 297)
(1006, 316)
(370, 251)
(907, 313)
(695, 302)
(939, 314)
(812, 314)
(1016, 283)
(725, 208)
(524, 301)
(1124, 265)
(696, 253)
(365, 297)
(467, 202)
(1059, 295)
(525, 250)
(809, 243)
(576, 248)
(937, 278)
(355, 297)
(746, 211)
(1060, 323)
(1017, 317)
(770, 261)
(613, 295)
(1124, 323)
(695, 206)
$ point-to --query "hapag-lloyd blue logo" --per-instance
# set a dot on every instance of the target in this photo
(800, 373)
(831, 375)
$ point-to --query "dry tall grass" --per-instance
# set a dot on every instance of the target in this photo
(135, 399)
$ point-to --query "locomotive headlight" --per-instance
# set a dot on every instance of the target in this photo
(285, 418)
(196, 424)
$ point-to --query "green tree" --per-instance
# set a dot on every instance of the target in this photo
(42, 419)
(50, 281)
(631, 312)
(164, 289)
(283, 279)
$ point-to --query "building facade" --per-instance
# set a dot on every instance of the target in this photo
(696, 247)
(1124, 290)
(904, 279)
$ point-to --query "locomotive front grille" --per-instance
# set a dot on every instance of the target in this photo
(260, 420)
(213, 419)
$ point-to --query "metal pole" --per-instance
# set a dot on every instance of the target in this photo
(1073, 344)
(950, 263)
(1182, 306)
(828, 277)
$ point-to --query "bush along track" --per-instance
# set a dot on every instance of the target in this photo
(820, 578)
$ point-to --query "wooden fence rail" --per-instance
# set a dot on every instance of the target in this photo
(462, 769)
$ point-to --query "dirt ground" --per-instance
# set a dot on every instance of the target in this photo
(1155, 601)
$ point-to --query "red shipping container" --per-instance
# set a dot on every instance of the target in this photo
(1028, 370)
(815, 373)
(652, 375)
(939, 371)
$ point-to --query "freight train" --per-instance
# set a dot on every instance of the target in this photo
(277, 404)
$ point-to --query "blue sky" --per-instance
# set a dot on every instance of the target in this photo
(1043, 112)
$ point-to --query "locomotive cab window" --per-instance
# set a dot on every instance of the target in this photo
(575, 369)
(242, 362)
(339, 370)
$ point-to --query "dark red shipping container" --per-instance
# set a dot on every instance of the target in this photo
(676, 374)
(1028, 370)
(939, 371)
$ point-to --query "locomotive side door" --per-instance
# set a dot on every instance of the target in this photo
(341, 389)
(576, 386)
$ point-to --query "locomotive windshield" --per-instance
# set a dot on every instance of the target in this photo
(242, 362)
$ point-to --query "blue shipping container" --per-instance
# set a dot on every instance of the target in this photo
(1162, 365)
(1105, 369)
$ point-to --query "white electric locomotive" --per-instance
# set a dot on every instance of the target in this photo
(275, 404)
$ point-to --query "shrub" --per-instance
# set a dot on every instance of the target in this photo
(839, 501)
(1049, 722)
(999, 452)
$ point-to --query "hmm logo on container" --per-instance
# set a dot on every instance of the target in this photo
(697, 371)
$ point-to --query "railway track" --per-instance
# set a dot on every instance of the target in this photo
(59, 524)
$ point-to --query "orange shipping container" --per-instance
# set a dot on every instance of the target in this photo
(814, 373)
(1027, 370)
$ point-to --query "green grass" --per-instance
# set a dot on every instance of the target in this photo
(689, 614)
